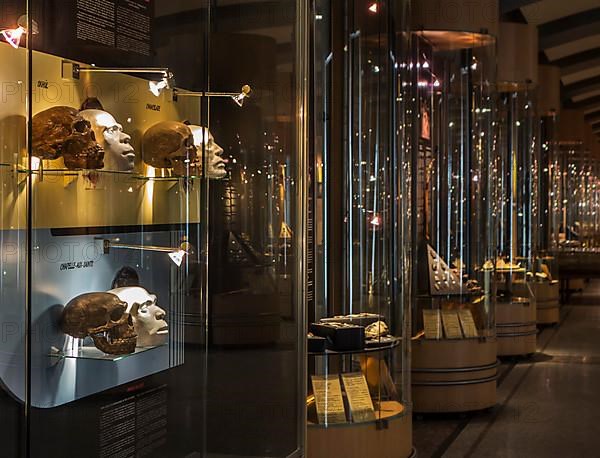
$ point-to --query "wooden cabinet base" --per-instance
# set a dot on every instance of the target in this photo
(453, 375)
(547, 296)
(516, 327)
(390, 437)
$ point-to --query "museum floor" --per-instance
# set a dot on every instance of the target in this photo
(547, 405)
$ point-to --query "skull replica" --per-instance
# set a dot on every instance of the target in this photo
(148, 317)
(119, 154)
(62, 132)
(170, 144)
(215, 163)
(104, 318)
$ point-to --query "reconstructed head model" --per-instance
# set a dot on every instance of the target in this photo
(148, 318)
(62, 132)
(104, 318)
(170, 144)
(215, 163)
(119, 154)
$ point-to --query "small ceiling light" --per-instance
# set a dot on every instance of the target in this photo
(376, 220)
(13, 36)
(374, 7)
(425, 64)
(239, 98)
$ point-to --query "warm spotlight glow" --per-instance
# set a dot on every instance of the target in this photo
(13, 36)
(376, 220)
(373, 8)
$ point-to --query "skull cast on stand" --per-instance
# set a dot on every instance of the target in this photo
(170, 144)
(104, 318)
(62, 132)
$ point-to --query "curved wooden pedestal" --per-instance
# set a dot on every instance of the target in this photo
(453, 375)
(389, 437)
(547, 299)
(516, 327)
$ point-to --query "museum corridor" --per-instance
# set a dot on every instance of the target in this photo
(544, 401)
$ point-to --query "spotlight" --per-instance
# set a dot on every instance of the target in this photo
(156, 87)
(13, 36)
(239, 98)
(373, 8)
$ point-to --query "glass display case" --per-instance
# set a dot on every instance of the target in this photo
(358, 343)
(518, 280)
(152, 173)
(516, 141)
(454, 344)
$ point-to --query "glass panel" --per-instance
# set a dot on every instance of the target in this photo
(119, 163)
(254, 404)
(106, 229)
(518, 162)
(13, 226)
(361, 188)
(455, 185)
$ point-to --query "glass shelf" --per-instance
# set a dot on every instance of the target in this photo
(88, 172)
(384, 344)
(93, 353)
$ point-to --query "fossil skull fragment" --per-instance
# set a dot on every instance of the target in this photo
(62, 132)
(104, 318)
(170, 144)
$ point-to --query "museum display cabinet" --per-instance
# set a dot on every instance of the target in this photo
(358, 398)
(153, 224)
(547, 286)
(575, 255)
(454, 365)
(517, 162)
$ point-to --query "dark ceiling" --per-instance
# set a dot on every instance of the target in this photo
(569, 37)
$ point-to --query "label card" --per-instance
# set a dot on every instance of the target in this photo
(328, 399)
(359, 398)
(431, 324)
(467, 323)
(451, 324)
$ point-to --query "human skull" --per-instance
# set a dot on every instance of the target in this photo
(215, 163)
(170, 144)
(119, 154)
(62, 132)
(104, 318)
(148, 317)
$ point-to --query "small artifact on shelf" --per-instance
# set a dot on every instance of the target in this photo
(467, 323)
(329, 401)
(376, 330)
(361, 319)
(451, 324)
(359, 398)
(432, 324)
(104, 318)
(62, 132)
(442, 279)
(340, 336)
